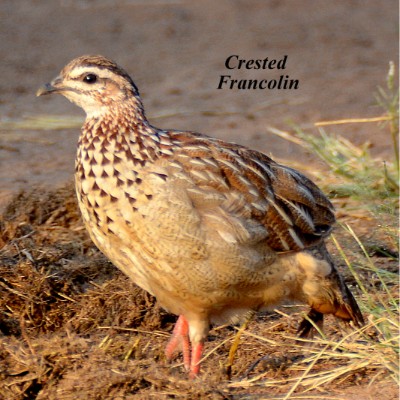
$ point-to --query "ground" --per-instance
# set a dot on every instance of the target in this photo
(72, 326)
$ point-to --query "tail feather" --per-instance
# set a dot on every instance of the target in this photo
(348, 309)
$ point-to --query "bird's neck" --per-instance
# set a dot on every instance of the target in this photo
(125, 130)
(128, 110)
(117, 116)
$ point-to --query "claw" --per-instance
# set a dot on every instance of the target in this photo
(180, 337)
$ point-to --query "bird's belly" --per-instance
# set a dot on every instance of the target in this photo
(187, 269)
(225, 290)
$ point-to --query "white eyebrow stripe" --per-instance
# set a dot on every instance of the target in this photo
(81, 70)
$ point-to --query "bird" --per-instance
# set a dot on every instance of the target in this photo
(214, 230)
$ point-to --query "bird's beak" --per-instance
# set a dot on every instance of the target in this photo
(53, 87)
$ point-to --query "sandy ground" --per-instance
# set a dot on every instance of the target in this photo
(175, 51)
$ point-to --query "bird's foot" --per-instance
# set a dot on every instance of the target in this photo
(180, 337)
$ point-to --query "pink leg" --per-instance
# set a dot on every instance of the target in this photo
(180, 335)
(197, 352)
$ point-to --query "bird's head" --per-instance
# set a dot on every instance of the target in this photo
(94, 83)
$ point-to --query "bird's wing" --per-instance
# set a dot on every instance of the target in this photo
(255, 197)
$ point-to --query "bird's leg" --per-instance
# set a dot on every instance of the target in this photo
(197, 352)
(180, 335)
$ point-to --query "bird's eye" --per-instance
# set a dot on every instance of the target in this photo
(90, 78)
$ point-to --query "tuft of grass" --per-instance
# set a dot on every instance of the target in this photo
(388, 100)
(361, 175)
(356, 173)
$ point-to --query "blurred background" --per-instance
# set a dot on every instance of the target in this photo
(176, 51)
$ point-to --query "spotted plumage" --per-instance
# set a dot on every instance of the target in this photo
(213, 229)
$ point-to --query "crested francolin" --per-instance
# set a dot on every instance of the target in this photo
(213, 229)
